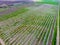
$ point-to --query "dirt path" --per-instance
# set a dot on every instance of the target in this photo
(2, 42)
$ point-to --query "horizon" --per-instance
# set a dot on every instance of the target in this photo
(35, 0)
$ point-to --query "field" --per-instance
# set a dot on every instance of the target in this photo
(30, 25)
(3, 9)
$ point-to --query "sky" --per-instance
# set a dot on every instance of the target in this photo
(31, 0)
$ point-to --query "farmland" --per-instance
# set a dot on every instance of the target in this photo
(2, 9)
(31, 25)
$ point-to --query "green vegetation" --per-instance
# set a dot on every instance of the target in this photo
(54, 3)
(54, 36)
(3, 9)
(30, 27)
(20, 11)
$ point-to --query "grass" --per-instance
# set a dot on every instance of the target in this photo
(20, 11)
(54, 36)
(3, 9)
(54, 3)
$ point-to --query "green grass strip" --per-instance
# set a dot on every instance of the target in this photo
(15, 13)
(54, 3)
(54, 36)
